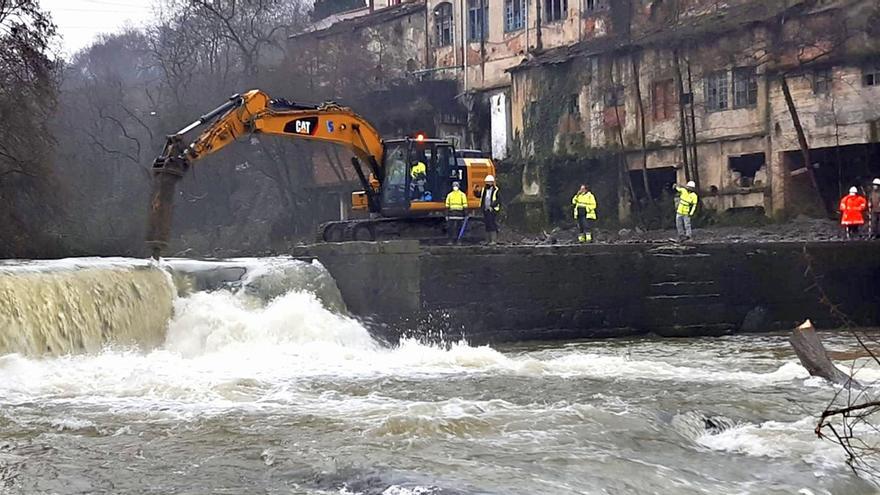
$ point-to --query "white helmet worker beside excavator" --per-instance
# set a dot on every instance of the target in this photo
(685, 208)
(490, 205)
(874, 208)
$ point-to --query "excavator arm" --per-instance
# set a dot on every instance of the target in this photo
(255, 112)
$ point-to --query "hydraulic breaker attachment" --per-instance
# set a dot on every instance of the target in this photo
(168, 169)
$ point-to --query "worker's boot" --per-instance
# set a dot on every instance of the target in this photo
(493, 238)
(582, 238)
(588, 237)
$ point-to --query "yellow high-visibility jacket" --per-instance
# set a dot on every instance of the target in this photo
(456, 201)
(687, 202)
(586, 201)
(418, 170)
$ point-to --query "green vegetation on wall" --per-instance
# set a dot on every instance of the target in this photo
(552, 86)
(560, 169)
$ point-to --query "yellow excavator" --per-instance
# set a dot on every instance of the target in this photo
(405, 181)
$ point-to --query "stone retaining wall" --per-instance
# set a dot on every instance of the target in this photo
(510, 293)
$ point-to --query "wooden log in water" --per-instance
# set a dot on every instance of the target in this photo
(814, 358)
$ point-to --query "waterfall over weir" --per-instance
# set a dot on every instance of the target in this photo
(83, 305)
(67, 311)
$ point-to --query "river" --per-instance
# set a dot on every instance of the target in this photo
(267, 386)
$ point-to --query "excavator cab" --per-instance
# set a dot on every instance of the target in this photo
(418, 175)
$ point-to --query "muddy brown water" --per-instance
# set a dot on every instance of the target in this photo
(249, 393)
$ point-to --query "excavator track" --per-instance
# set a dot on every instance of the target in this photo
(429, 229)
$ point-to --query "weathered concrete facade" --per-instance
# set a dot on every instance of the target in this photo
(362, 53)
(729, 67)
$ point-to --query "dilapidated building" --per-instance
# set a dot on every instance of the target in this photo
(703, 97)
(760, 102)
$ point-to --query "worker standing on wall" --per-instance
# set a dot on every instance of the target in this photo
(685, 209)
(584, 213)
(456, 207)
(490, 206)
(852, 212)
(874, 208)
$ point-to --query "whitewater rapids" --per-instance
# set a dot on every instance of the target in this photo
(262, 383)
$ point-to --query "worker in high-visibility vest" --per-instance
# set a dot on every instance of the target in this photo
(685, 209)
(584, 204)
(490, 205)
(418, 179)
(456, 209)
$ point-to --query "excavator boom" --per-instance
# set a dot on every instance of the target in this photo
(255, 112)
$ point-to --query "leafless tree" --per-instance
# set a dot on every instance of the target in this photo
(851, 418)
(124, 93)
(28, 90)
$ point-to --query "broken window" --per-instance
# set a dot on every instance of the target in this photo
(746, 169)
(555, 10)
(821, 81)
(478, 20)
(872, 75)
(663, 99)
(443, 24)
(716, 91)
(514, 15)
(614, 97)
(595, 5)
(745, 87)
(574, 106)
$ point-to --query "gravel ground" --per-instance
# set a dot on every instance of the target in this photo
(797, 230)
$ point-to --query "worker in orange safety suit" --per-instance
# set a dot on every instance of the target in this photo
(852, 212)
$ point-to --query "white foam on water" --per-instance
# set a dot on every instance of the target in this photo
(223, 323)
(72, 424)
(219, 340)
(415, 490)
(299, 353)
(777, 440)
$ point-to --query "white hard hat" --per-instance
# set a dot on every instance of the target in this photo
(691, 184)
(490, 178)
(877, 182)
(853, 190)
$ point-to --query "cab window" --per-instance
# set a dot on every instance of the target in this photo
(396, 173)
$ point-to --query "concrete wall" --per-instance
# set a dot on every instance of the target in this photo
(525, 293)
(487, 62)
(360, 54)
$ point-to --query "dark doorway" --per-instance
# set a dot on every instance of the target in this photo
(746, 167)
(837, 169)
(660, 180)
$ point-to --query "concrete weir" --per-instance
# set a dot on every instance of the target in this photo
(508, 293)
